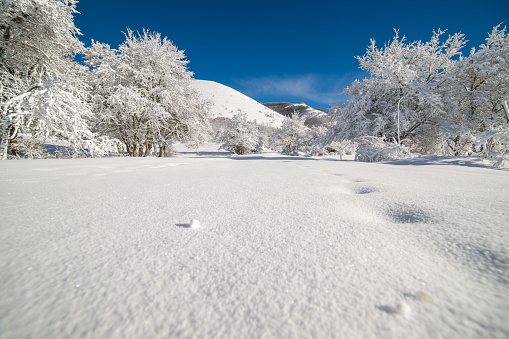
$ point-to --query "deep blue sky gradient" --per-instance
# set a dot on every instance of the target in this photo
(292, 51)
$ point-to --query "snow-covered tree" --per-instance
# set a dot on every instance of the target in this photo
(479, 84)
(48, 110)
(401, 99)
(143, 97)
(39, 40)
(293, 136)
(39, 78)
(241, 136)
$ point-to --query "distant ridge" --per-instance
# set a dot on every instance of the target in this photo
(314, 116)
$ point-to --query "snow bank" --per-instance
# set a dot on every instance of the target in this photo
(289, 247)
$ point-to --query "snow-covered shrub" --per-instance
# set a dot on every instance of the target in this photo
(341, 147)
(494, 145)
(266, 133)
(241, 136)
(46, 110)
(372, 149)
(461, 143)
(293, 136)
(316, 135)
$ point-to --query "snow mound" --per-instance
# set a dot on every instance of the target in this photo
(195, 223)
(226, 102)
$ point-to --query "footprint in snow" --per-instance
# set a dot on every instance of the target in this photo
(409, 214)
(365, 190)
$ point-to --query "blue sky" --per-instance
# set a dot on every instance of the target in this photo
(293, 51)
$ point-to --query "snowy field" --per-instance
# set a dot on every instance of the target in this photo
(288, 247)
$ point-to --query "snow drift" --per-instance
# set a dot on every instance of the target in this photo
(288, 247)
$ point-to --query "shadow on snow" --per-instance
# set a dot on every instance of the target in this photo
(429, 160)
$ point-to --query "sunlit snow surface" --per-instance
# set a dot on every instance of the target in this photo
(287, 247)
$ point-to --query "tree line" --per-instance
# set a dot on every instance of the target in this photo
(429, 98)
(136, 99)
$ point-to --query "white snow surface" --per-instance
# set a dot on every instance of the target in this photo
(226, 102)
(289, 247)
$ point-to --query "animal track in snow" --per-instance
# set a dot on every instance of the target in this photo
(365, 189)
(408, 214)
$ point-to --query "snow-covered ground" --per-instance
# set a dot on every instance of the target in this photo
(226, 102)
(287, 247)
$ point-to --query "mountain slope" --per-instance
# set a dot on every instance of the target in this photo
(226, 102)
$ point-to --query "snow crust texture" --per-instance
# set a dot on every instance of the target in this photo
(289, 247)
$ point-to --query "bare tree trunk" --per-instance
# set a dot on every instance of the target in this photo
(162, 151)
(4, 141)
(119, 150)
(148, 148)
(506, 109)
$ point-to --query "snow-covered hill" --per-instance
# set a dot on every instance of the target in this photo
(226, 102)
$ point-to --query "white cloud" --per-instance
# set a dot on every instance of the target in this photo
(320, 89)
